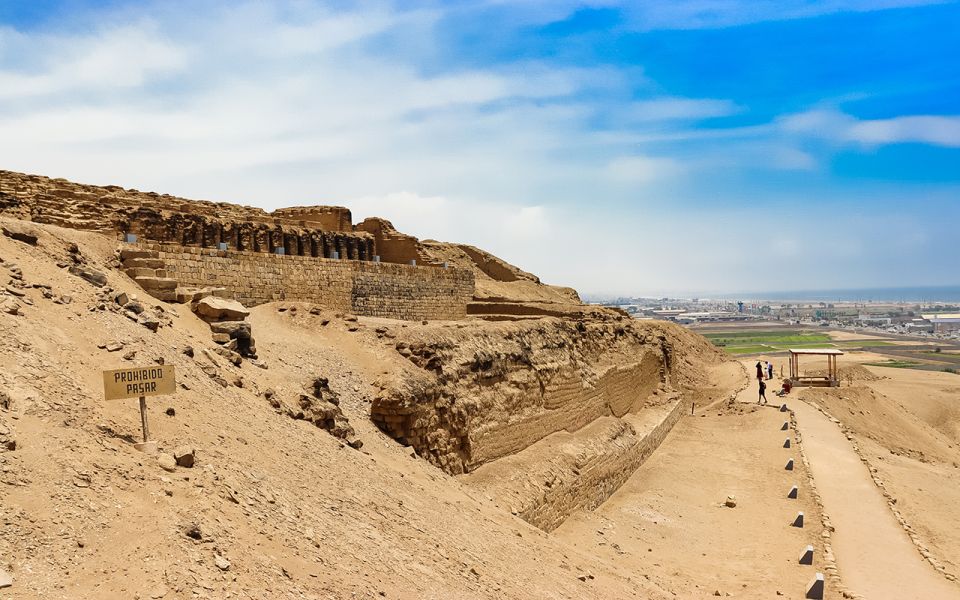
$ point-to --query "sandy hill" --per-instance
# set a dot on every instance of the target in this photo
(274, 505)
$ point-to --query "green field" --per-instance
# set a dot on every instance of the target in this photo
(895, 364)
(759, 342)
(747, 349)
(765, 337)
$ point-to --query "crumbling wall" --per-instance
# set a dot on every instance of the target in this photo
(304, 231)
(392, 246)
(364, 288)
(565, 473)
(476, 395)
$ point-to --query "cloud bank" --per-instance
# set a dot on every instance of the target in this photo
(588, 172)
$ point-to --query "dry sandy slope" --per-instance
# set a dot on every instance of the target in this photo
(296, 512)
(668, 521)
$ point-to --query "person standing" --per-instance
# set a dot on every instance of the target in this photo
(763, 390)
(769, 370)
(759, 370)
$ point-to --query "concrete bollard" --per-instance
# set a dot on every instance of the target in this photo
(815, 587)
(789, 466)
(798, 522)
(792, 494)
(783, 407)
(335, 255)
(806, 557)
(785, 426)
(786, 443)
(221, 246)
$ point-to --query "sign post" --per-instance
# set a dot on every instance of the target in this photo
(140, 382)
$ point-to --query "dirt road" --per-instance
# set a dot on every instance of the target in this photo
(874, 554)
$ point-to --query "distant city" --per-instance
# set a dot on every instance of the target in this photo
(933, 312)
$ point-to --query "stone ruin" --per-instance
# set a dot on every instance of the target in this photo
(181, 250)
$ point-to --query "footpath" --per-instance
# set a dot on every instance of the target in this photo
(875, 557)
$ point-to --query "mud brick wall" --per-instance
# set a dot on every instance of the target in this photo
(364, 288)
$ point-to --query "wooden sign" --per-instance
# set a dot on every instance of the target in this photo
(136, 382)
(140, 382)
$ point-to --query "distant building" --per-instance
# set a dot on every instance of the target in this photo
(943, 322)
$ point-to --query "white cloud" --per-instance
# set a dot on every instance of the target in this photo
(642, 169)
(938, 130)
(282, 104)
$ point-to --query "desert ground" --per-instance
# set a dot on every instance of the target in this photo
(679, 491)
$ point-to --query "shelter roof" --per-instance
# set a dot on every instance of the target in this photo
(820, 351)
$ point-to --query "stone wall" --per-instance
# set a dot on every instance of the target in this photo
(364, 288)
(304, 230)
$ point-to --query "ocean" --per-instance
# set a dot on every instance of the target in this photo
(893, 294)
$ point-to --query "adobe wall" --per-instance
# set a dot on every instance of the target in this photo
(364, 288)
(303, 230)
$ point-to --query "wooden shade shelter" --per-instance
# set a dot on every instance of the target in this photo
(829, 380)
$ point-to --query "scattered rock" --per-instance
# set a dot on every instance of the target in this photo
(222, 563)
(731, 502)
(21, 232)
(192, 531)
(113, 346)
(167, 462)
(184, 455)
(149, 321)
(121, 298)
(9, 306)
(170, 412)
(15, 292)
(188, 350)
(132, 354)
(214, 308)
(90, 275)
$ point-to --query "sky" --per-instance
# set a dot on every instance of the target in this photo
(622, 148)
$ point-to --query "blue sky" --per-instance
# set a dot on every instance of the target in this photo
(619, 147)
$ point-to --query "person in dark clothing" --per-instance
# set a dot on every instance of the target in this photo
(763, 389)
(759, 370)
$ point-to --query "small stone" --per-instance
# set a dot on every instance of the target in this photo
(9, 306)
(121, 298)
(216, 308)
(114, 346)
(15, 292)
(188, 350)
(166, 462)
(731, 502)
(184, 456)
(150, 322)
(222, 563)
(130, 355)
(171, 412)
(134, 307)
(21, 232)
(90, 275)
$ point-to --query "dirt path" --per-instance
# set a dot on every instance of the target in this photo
(874, 555)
